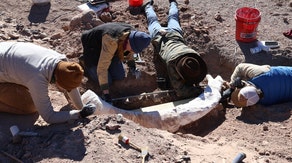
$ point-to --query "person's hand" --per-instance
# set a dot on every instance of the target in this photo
(225, 85)
(107, 98)
(227, 93)
(87, 110)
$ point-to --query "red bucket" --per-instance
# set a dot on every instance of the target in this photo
(135, 3)
(247, 20)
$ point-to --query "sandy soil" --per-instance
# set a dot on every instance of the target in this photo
(262, 133)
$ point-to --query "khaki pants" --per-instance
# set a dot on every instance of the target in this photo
(15, 99)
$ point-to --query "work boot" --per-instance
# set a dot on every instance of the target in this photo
(151, 2)
(172, 1)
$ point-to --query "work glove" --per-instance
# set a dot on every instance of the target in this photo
(87, 110)
(107, 98)
(237, 83)
(226, 96)
(227, 93)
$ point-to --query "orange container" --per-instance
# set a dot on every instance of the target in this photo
(135, 3)
(247, 20)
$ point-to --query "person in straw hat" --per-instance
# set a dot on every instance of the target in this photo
(185, 67)
(263, 84)
(26, 70)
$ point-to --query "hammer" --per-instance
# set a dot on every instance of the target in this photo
(17, 135)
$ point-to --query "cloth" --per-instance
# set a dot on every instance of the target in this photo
(22, 64)
(101, 44)
(169, 44)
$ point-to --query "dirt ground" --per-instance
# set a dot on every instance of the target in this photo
(262, 133)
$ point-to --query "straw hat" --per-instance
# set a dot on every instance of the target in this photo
(246, 96)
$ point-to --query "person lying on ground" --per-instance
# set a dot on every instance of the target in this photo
(185, 67)
(105, 47)
(264, 84)
(26, 70)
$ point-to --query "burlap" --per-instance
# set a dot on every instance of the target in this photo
(15, 99)
(68, 75)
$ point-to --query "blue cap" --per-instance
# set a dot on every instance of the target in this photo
(139, 41)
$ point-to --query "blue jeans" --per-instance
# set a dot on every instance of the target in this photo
(172, 23)
(116, 71)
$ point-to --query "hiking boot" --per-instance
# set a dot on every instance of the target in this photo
(172, 1)
(151, 2)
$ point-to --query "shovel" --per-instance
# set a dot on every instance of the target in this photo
(144, 153)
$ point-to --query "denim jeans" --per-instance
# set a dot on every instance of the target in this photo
(172, 23)
(116, 71)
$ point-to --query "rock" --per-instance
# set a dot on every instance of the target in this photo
(106, 17)
(75, 21)
(87, 19)
(56, 36)
(265, 128)
(4, 37)
(96, 22)
(13, 35)
(218, 17)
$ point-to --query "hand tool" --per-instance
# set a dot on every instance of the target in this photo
(144, 153)
(126, 140)
(144, 150)
(17, 135)
(239, 158)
